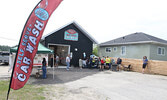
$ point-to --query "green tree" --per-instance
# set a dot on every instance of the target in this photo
(95, 51)
(4, 48)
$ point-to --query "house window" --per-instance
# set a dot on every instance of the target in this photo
(108, 50)
(115, 49)
(161, 51)
(123, 50)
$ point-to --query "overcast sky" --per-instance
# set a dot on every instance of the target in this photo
(103, 19)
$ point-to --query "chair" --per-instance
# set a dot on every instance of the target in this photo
(128, 68)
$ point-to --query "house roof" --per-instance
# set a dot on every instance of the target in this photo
(79, 27)
(135, 38)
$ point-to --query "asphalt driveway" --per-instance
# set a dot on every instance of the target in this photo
(91, 84)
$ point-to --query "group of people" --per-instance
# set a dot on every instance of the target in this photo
(56, 61)
(56, 64)
(44, 63)
(106, 62)
(97, 62)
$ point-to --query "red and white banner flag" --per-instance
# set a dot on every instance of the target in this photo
(28, 44)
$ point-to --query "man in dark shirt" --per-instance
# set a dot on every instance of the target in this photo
(119, 61)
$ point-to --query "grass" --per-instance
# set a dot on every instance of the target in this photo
(28, 92)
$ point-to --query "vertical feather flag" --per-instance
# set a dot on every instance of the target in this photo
(29, 41)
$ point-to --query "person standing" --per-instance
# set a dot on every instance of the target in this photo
(68, 62)
(90, 62)
(99, 64)
(51, 61)
(84, 60)
(107, 60)
(93, 61)
(44, 68)
(119, 61)
(80, 63)
(145, 62)
(102, 60)
(57, 60)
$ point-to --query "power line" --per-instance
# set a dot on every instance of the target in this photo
(8, 39)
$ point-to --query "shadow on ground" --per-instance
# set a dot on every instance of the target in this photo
(62, 76)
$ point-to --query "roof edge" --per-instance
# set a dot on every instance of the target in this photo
(43, 37)
(78, 26)
(141, 42)
(85, 32)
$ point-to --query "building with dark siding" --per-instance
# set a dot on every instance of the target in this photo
(70, 39)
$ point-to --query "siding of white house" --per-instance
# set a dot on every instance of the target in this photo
(154, 52)
(135, 51)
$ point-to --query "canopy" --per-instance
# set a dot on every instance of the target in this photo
(41, 49)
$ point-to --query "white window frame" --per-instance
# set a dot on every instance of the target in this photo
(122, 50)
(114, 49)
(108, 48)
(161, 48)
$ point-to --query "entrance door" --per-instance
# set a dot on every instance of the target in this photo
(62, 51)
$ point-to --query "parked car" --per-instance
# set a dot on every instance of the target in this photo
(4, 58)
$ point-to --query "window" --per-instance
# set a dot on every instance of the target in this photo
(115, 49)
(123, 50)
(108, 50)
(161, 51)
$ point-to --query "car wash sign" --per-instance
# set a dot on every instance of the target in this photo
(29, 41)
(71, 35)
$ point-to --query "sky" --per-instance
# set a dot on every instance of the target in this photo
(104, 20)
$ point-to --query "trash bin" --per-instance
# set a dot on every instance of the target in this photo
(114, 67)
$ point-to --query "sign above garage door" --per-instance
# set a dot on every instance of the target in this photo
(71, 35)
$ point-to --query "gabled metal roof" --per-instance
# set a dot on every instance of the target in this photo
(135, 38)
(79, 27)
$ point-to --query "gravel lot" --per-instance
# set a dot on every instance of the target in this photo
(91, 84)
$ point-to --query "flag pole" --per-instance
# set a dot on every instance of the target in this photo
(17, 54)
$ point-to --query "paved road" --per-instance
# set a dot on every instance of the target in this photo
(4, 74)
(90, 84)
(125, 85)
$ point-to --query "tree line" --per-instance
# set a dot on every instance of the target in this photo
(4, 48)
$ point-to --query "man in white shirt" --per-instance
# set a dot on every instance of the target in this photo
(68, 62)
